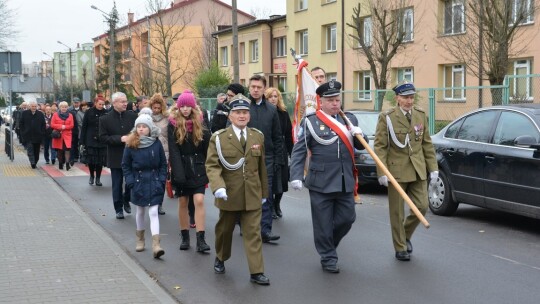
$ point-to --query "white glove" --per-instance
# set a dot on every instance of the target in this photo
(263, 200)
(356, 130)
(221, 193)
(296, 184)
(433, 175)
(383, 181)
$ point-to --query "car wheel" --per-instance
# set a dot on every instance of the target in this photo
(440, 199)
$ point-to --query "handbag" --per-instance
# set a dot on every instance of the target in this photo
(168, 183)
(56, 134)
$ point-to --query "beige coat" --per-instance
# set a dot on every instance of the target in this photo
(245, 186)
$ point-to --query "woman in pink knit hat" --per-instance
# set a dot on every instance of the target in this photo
(188, 142)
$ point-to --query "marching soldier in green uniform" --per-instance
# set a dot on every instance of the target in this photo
(403, 144)
(237, 172)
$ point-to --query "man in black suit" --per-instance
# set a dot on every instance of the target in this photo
(32, 126)
(113, 130)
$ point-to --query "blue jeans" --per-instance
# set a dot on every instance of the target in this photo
(47, 147)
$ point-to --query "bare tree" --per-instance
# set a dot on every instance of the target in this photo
(8, 31)
(169, 61)
(490, 29)
(380, 30)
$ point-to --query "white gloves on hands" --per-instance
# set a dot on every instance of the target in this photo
(296, 184)
(221, 193)
(383, 181)
(263, 200)
(433, 175)
(356, 130)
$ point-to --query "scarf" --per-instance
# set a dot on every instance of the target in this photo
(63, 116)
(189, 125)
(147, 141)
(157, 117)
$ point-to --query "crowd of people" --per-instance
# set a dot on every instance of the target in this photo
(242, 153)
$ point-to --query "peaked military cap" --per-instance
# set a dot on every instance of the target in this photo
(405, 89)
(329, 89)
(239, 102)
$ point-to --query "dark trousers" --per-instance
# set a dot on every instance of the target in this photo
(48, 151)
(32, 150)
(74, 156)
(333, 215)
(121, 195)
(266, 217)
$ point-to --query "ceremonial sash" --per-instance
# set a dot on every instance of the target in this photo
(339, 129)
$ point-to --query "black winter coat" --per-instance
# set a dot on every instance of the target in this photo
(90, 128)
(187, 160)
(112, 127)
(264, 117)
(32, 126)
(219, 117)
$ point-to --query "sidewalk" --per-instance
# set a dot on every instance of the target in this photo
(52, 252)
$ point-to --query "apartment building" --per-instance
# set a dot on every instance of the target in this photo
(188, 24)
(81, 65)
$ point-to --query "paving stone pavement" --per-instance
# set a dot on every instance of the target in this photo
(52, 252)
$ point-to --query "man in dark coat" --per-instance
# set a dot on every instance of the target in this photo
(264, 117)
(330, 176)
(113, 130)
(219, 117)
(74, 109)
(32, 126)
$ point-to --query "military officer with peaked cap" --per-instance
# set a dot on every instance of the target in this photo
(237, 172)
(330, 178)
(403, 144)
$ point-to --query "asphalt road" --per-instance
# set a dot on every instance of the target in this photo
(477, 256)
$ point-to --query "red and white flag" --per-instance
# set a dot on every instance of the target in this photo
(306, 97)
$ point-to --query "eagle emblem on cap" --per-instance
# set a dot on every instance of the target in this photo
(331, 84)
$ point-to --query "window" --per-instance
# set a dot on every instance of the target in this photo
(406, 24)
(282, 82)
(364, 85)
(405, 74)
(331, 38)
(224, 56)
(331, 76)
(281, 46)
(301, 4)
(454, 17)
(511, 125)
(522, 11)
(303, 42)
(367, 32)
(242, 52)
(477, 127)
(454, 77)
(520, 83)
(254, 45)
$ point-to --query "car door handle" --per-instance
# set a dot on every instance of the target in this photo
(489, 158)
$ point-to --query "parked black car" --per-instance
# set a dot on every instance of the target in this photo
(489, 158)
(367, 169)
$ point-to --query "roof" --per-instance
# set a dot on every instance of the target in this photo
(253, 23)
(173, 7)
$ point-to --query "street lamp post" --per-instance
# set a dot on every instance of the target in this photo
(111, 18)
(53, 83)
(70, 71)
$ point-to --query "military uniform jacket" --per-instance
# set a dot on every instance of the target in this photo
(245, 186)
(417, 157)
(329, 165)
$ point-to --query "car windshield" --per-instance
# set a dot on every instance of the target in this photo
(367, 122)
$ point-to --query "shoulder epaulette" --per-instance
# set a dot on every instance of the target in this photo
(219, 131)
(310, 114)
(419, 109)
(389, 111)
(254, 129)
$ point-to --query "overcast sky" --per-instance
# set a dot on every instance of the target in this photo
(41, 23)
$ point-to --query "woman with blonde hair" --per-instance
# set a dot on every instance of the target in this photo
(160, 119)
(63, 121)
(281, 180)
(145, 170)
(188, 144)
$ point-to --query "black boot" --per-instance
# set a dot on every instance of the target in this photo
(277, 206)
(91, 180)
(98, 182)
(185, 239)
(201, 243)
